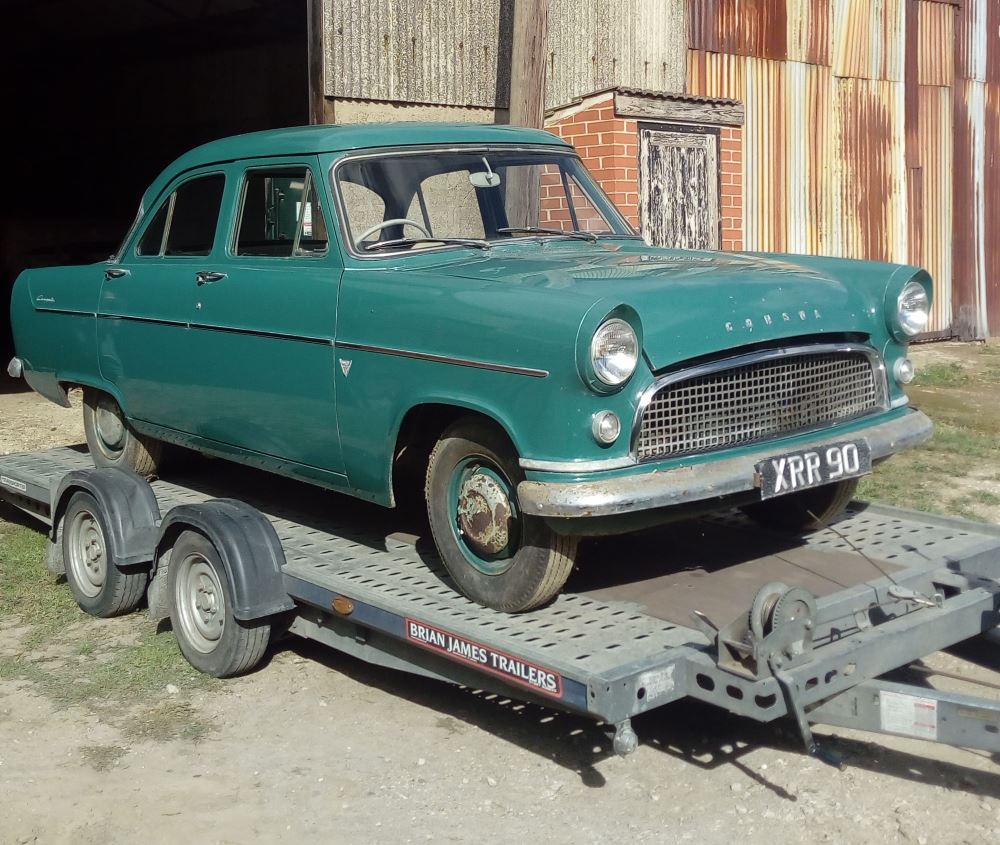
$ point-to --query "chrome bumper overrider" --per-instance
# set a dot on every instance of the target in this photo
(692, 483)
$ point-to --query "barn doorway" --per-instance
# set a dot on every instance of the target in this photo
(101, 96)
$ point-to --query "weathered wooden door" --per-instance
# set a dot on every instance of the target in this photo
(679, 188)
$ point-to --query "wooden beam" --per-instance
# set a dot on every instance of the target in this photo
(680, 110)
(319, 112)
(528, 61)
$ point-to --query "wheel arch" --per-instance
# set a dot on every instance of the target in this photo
(420, 427)
(128, 505)
(248, 547)
(68, 381)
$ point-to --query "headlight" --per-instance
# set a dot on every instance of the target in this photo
(614, 352)
(913, 308)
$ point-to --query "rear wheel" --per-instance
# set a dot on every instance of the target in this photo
(112, 440)
(807, 510)
(201, 612)
(99, 587)
(497, 556)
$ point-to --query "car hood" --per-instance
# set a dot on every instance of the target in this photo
(697, 303)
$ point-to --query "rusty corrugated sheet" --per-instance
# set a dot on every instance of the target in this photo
(936, 43)
(418, 51)
(743, 27)
(765, 168)
(869, 167)
(969, 253)
(991, 191)
(809, 31)
(869, 39)
(937, 172)
(810, 189)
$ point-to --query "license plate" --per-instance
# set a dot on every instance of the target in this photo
(795, 471)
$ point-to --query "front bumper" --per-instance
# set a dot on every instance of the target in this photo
(709, 480)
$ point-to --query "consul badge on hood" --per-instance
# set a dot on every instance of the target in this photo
(768, 320)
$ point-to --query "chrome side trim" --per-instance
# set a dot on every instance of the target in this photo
(444, 359)
(878, 367)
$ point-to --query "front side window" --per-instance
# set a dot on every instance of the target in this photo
(427, 199)
(280, 214)
(185, 223)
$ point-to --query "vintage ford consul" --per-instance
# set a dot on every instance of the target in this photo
(345, 304)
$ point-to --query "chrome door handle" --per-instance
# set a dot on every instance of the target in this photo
(115, 273)
(205, 277)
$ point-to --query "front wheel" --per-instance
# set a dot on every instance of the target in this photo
(112, 440)
(497, 556)
(807, 510)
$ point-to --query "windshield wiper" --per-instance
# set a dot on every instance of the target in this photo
(538, 230)
(479, 243)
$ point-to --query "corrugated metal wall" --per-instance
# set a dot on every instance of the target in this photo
(458, 53)
(861, 138)
(976, 96)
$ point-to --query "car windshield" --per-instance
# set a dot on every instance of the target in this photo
(474, 198)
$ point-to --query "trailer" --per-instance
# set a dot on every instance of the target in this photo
(762, 624)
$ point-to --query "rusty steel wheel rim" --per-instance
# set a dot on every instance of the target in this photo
(483, 512)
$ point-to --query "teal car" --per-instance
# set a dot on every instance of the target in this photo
(358, 306)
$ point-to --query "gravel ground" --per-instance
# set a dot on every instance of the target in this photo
(317, 747)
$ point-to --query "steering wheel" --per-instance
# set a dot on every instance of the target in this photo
(398, 221)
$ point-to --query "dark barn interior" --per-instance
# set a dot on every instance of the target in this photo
(101, 95)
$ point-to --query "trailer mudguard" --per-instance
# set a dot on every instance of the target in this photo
(248, 547)
(128, 505)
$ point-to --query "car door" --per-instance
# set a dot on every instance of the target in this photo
(264, 319)
(146, 300)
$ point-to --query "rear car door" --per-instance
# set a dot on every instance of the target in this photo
(144, 341)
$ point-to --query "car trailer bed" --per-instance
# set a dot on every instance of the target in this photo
(762, 624)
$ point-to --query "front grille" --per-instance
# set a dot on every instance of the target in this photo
(757, 398)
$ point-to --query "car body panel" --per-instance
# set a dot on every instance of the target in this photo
(309, 365)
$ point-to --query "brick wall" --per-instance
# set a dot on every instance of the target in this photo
(731, 195)
(609, 147)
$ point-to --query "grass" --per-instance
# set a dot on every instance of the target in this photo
(953, 472)
(951, 374)
(117, 668)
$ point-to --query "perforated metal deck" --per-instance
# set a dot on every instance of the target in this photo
(615, 650)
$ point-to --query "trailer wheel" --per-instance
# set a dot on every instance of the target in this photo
(98, 585)
(201, 601)
(497, 556)
(791, 512)
(112, 441)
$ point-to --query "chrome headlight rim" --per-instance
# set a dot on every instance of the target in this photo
(602, 372)
(913, 310)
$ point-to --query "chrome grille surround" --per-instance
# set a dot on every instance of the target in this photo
(758, 397)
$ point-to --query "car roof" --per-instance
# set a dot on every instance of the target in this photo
(325, 138)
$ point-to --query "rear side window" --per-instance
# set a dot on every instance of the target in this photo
(185, 224)
(280, 214)
(195, 216)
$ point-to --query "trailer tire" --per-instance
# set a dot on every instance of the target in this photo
(98, 585)
(210, 637)
(111, 439)
(791, 512)
(473, 473)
